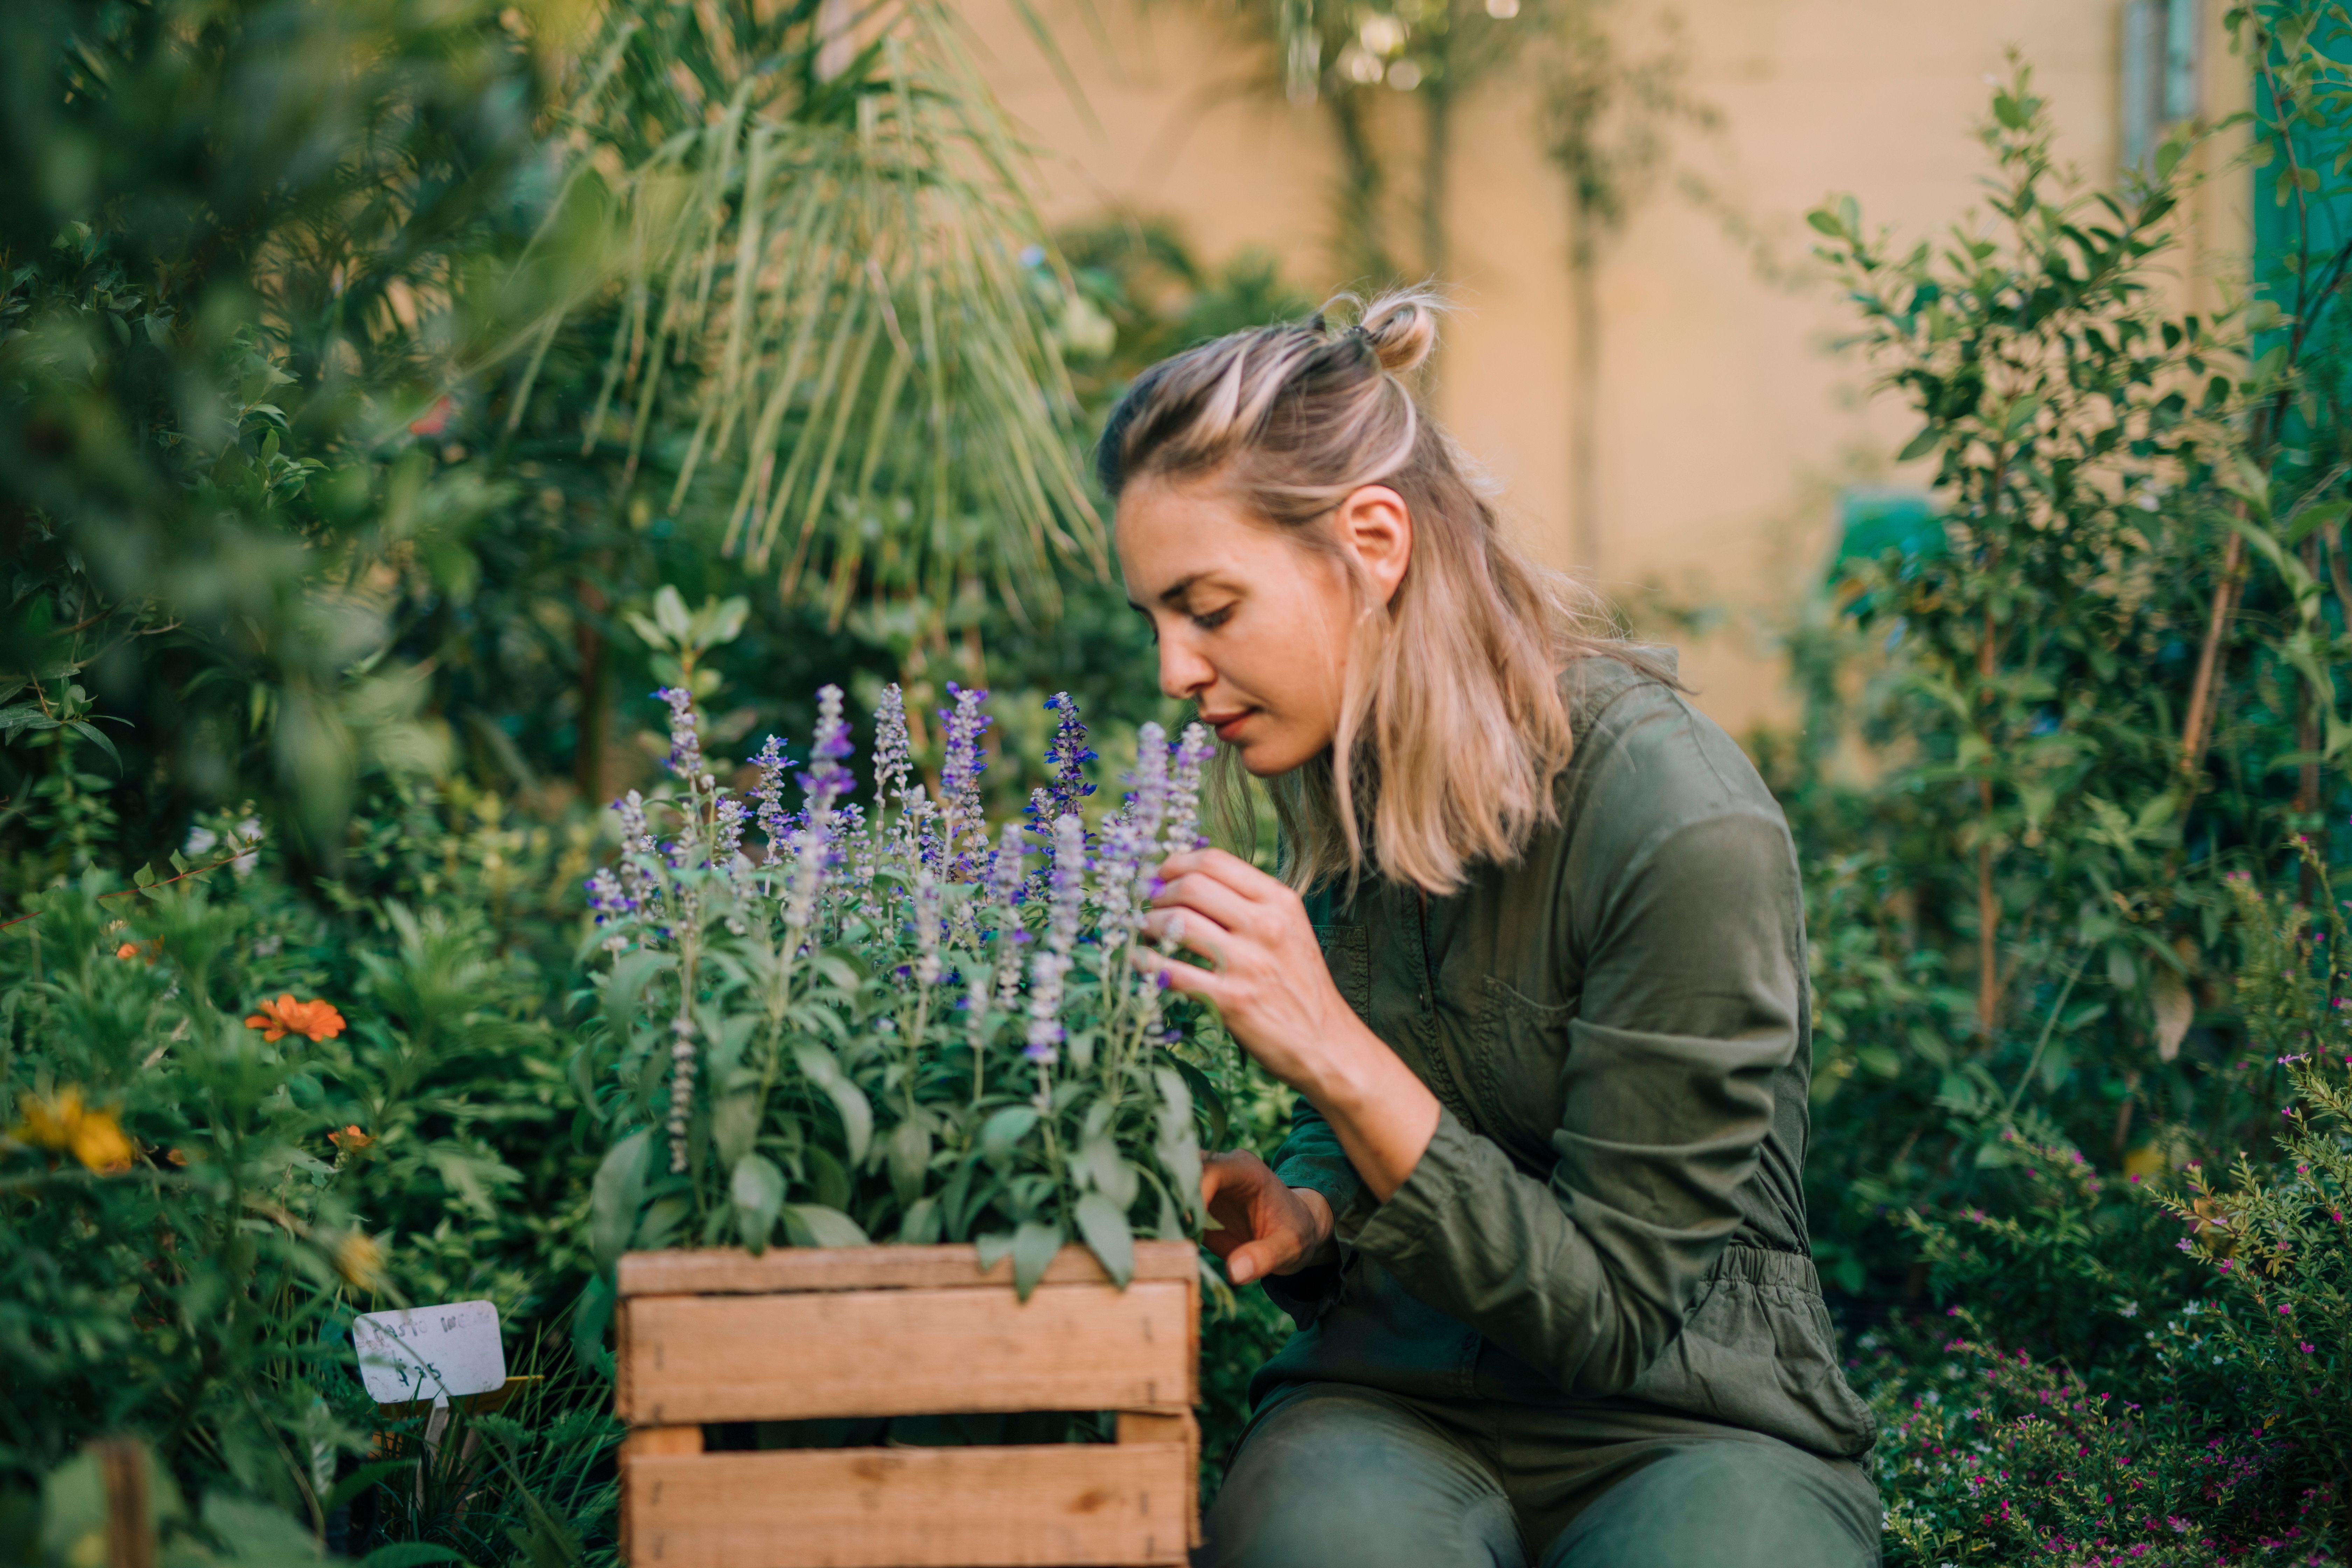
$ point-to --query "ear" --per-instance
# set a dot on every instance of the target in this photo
(1375, 523)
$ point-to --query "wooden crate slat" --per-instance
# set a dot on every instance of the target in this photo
(732, 1271)
(905, 1352)
(1055, 1505)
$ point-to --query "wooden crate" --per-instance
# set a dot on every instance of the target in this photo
(801, 1333)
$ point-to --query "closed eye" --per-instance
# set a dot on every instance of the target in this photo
(1210, 620)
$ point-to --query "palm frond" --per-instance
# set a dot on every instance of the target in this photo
(835, 306)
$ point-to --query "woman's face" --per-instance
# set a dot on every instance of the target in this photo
(1253, 625)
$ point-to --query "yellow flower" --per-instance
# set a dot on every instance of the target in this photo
(64, 1123)
(285, 1015)
(358, 1258)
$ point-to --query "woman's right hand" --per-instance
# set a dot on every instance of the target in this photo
(1269, 1228)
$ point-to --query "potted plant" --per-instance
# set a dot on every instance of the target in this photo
(898, 1132)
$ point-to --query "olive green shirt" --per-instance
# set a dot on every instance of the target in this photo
(1610, 1212)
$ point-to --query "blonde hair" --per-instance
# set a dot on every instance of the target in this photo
(1453, 727)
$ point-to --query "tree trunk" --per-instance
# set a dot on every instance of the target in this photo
(1360, 252)
(1438, 107)
(1584, 395)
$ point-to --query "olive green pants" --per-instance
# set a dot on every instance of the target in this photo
(1337, 1476)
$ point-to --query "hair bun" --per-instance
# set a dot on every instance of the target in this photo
(1401, 326)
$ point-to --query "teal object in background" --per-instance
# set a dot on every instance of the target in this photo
(1876, 518)
(2279, 237)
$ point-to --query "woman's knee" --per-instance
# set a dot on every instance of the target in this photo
(1730, 1504)
(1343, 1478)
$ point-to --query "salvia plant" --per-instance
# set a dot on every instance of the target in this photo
(871, 1015)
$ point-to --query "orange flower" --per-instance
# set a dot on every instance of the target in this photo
(64, 1123)
(128, 949)
(350, 1140)
(287, 1017)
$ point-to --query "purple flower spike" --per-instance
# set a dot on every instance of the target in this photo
(926, 927)
(685, 738)
(1066, 759)
(893, 754)
(768, 796)
(1065, 901)
(728, 831)
(967, 835)
(825, 781)
(825, 775)
(636, 850)
(1193, 755)
(1006, 886)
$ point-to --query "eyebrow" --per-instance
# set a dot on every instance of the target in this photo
(1173, 593)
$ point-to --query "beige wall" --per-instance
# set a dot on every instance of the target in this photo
(1725, 423)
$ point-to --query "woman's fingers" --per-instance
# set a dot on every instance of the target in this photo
(1223, 866)
(1256, 1260)
(1191, 930)
(1185, 979)
(1204, 895)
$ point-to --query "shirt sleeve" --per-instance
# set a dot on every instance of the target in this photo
(1691, 1000)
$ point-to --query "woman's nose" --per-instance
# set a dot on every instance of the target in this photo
(1184, 673)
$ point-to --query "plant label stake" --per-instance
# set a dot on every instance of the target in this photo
(435, 1354)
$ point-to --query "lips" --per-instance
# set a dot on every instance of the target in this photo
(1226, 725)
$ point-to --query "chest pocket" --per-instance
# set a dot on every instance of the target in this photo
(1520, 1047)
(1348, 954)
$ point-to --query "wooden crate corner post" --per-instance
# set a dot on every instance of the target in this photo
(808, 1333)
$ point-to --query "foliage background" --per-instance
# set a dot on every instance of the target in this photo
(348, 412)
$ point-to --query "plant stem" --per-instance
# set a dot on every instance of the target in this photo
(2049, 1027)
(2202, 690)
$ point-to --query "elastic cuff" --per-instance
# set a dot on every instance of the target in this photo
(1340, 1187)
(1398, 1228)
(1306, 1295)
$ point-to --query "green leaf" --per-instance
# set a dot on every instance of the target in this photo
(1001, 1132)
(1206, 1093)
(1035, 1244)
(144, 877)
(1178, 1148)
(814, 1224)
(670, 614)
(2312, 519)
(1108, 1170)
(857, 1116)
(1826, 221)
(614, 1197)
(590, 1317)
(1919, 446)
(992, 1247)
(24, 716)
(757, 1190)
(921, 1226)
(910, 1159)
(92, 732)
(826, 1179)
(735, 1126)
(1103, 1224)
(626, 989)
(652, 636)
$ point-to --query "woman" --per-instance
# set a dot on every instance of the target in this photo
(1536, 968)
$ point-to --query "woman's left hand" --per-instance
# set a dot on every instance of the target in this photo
(1267, 977)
